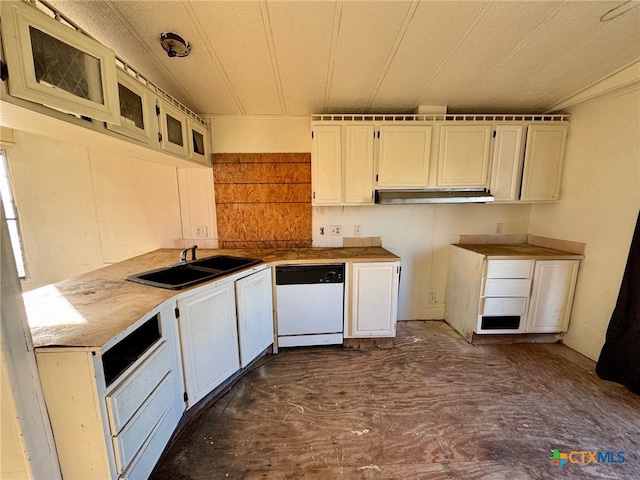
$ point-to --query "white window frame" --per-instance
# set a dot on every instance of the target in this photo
(17, 17)
(11, 214)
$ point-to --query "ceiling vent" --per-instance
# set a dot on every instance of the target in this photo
(174, 45)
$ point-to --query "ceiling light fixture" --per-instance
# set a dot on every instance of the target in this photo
(174, 45)
(621, 9)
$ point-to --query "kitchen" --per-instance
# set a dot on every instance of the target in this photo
(596, 192)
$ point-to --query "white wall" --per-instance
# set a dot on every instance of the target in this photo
(81, 208)
(420, 235)
(260, 134)
(599, 206)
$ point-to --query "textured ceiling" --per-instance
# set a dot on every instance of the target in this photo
(303, 57)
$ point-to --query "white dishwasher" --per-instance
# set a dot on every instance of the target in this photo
(310, 301)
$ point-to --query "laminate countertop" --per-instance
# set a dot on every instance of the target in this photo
(521, 251)
(88, 310)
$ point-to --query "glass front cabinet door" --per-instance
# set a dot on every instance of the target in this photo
(137, 109)
(173, 129)
(198, 142)
(54, 65)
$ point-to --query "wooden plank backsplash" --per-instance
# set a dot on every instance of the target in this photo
(263, 200)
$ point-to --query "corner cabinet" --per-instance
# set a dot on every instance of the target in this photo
(404, 152)
(342, 160)
(54, 65)
(528, 171)
(209, 338)
(372, 299)
(113, 410)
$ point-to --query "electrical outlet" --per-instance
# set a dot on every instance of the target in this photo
(356, 231)
(336, 230)
(432, 298)
(498, 228)
(201, 230)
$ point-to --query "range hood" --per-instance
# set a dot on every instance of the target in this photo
(410, 197)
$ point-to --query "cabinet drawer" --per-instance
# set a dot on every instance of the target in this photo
(125, 400)
(149, 454)
(509, 268)
(504, 306)
(127, 443)
(506, 287)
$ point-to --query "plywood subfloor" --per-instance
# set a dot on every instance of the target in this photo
(434, 407)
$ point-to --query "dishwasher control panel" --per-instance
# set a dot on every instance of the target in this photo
(309, 274)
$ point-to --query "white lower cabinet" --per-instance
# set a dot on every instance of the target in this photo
(554, 284)
(113, 410)
(372, 299)
(254, 297)
(209, 339)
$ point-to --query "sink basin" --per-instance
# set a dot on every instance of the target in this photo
(187, 274)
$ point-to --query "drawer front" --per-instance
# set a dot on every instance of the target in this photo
(133, 436)
(506, 287)
(125, 400)
(150, 452)
(504, 306)
(509, 268)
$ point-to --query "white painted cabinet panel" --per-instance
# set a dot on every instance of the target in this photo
(464, 156)
(326, 165)
(358, 164)
(554, 284)
(198, 140)
(543, 162)
(373, 295)
(404, 152)
(506, 169)
(138, 118)
(254, 296)
(209, 339)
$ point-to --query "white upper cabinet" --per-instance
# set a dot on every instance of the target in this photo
(137, 110)
(507, 163)
(326, 165)
(173, 129)
(543, 162)
(403, 156)
(463, 160)
(358, 165)
(54, 65)
(342, 162)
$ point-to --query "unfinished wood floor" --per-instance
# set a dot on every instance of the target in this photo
(434, 407)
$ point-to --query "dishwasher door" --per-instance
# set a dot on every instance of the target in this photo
(310, 301)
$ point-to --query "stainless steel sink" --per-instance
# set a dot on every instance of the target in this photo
(187, 274)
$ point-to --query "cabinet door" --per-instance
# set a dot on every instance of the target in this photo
(326, 165)
(543, 161)
(358, 165)
(137, 115)
(464, 156)
(552, 295)
(198, 142)
(209, 339)
(254, 295)
(173, 130)
(507, 163)
(403, 156)
(54, 65)
(374, 294)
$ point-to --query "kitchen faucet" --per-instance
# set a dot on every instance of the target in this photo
(183, 254)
